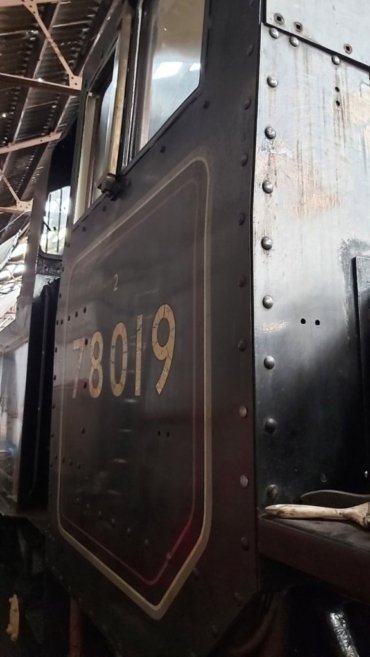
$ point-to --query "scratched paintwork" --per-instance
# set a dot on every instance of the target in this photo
(339, 25)
(318, 219)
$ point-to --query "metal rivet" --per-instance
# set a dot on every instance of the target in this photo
(242, 345)
(250, 49)
(270, 425)
(244, 481)
(267, 186)
(244, 159)
(269, 362)
(336, 60)
(274, 33)
(279, 19)
(248, 103)
(238, 598)
(272, 82)
(366, 474)
(294, 41)
(242, 281)
(244, 543)
(242, 218)
(268, 301)
(323, 478)
(272, 493)
(243, 411)
(266, 243)
(270, 132)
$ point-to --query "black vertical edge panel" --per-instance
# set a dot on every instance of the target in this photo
(210, 144)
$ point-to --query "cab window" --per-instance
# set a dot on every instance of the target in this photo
(170, 53)
(54, 222)
(103, 121)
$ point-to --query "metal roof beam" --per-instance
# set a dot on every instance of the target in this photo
(18, 3)
(74, 80)
(37, 83)
(29, 143)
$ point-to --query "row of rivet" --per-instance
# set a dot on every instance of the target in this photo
(270, 424)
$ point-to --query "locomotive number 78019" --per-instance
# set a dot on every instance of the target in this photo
(118, 371)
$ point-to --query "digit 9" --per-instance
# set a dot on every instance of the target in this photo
(164, 352)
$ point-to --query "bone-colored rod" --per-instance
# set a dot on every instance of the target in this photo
(358, 514)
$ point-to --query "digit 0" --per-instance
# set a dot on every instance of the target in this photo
(119, 331)
(96, 370)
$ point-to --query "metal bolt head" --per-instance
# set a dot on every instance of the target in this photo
(272, 82)
(244, 481)
(266, 243)
(244, 543)
(274, 33)
(242, 345)
(267, 186)
(269, 362)
(270, 132)
(294, 41)
(244, 159)
(272, 493)
(336, 60)
(270, 425)
(268, 301)
(243, 411)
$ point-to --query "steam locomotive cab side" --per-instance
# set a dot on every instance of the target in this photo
(211, 332)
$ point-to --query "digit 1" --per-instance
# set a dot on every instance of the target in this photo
(139, 351)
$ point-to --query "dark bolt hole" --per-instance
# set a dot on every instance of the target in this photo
(348, 48)
(337, 102)
(317, 322)
(298, 27)
(279, 19)
(337, 89)
(303, 321)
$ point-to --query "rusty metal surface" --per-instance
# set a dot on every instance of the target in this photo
(25, 112)
(340, 26)
(312, 204)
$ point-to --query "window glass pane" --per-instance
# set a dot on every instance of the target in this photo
(55, 219)
(174, 45)
(102, 134)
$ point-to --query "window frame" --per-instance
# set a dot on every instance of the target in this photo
(129, 154)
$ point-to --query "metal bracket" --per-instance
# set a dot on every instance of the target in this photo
(20, 206)
(75, 81)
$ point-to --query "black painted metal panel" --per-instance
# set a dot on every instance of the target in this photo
(208, 146)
